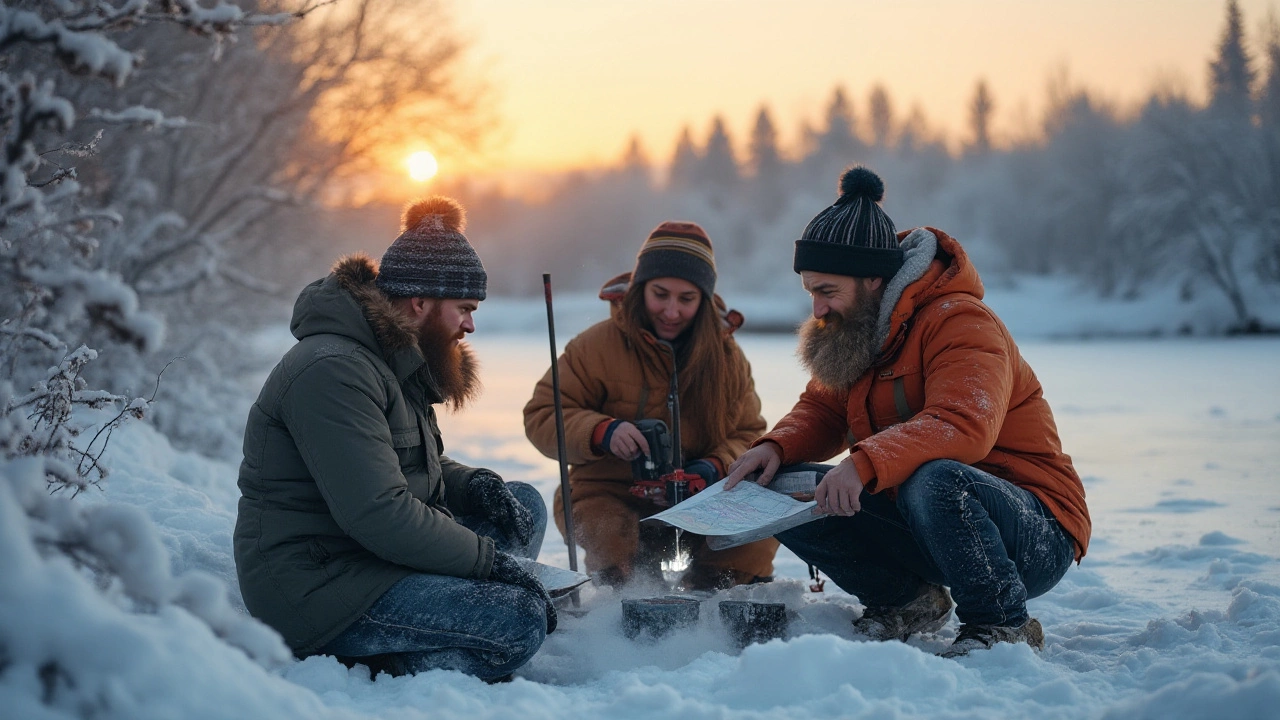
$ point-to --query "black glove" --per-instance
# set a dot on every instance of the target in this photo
(506, 569)
(488, 492)
(704, 468)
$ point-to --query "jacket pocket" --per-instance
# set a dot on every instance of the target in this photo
(408, 446)
(897, 395)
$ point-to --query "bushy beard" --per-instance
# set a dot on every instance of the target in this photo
(452, 364)
(837, 350)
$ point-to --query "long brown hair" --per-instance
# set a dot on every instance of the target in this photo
(710, 365)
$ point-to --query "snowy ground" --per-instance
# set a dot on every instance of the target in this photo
(1174, 613)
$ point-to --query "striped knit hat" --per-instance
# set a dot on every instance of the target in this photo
(680, 250)
(852, 237)
(432, 257)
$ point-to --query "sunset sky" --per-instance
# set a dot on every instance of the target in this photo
(574, 79)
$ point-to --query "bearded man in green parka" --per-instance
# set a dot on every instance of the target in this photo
(355, 535)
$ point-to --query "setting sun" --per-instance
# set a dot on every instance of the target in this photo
(422, 166)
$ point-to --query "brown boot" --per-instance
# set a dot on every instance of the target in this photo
(981, 637)
(927, 613)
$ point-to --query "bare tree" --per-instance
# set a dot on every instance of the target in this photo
(219, 188)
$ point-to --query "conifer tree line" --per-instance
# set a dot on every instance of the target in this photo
(1174, 193)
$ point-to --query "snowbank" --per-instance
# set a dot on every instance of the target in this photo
(1175, 613)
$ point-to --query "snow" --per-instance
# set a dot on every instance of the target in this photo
(1174, 613)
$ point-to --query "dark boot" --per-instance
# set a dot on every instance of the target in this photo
(981, 637)
(927, 613)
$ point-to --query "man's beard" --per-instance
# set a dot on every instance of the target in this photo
(452, 364)
(837, 350)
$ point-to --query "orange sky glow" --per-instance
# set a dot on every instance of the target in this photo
(575, 79)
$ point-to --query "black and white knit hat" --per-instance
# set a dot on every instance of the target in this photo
(854, 236)
(432, 257)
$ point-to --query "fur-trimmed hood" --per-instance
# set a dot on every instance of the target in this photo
(347, 303)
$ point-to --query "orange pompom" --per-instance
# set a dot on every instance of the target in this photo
(448, 213)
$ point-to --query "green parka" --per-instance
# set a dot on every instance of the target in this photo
(344, 487)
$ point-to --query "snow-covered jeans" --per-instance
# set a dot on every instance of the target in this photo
(994, 544)
(482, 628)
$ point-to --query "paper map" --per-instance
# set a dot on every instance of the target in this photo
(557, 581)
(748, 512)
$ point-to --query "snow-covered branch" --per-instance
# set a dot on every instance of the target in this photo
(145, 117)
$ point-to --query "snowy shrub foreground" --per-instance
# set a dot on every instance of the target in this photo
(1175, 613)
(95, 624)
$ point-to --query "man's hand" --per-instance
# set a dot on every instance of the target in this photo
(840, 490)
(506, 569)
(766, 457)
(628, 442)
(488, 492)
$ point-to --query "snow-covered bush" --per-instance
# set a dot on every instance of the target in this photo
(59, 290)
(212, 163)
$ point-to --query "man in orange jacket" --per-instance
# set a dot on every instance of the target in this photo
(954, 477)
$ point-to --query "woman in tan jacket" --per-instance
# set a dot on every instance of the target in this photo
(618, 372)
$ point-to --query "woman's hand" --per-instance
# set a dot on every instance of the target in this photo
(628, 442)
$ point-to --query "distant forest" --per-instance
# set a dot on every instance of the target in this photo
(168, 179)
(1174, 193)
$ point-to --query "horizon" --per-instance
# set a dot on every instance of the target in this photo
(536, 57)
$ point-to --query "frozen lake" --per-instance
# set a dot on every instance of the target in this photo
(1172, 437)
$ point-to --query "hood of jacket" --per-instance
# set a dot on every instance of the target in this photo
(934, 265)
(616, 288)
(347, 303)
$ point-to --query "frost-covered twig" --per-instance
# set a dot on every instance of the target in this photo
(139, 115)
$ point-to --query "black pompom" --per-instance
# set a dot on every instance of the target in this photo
(858, 182)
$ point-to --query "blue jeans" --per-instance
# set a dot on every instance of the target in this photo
(479, 627)
(994, 544)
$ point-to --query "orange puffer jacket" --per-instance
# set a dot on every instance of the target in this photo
(949, 384)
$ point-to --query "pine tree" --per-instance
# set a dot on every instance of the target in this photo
(881, 111)
(839, 143)
(684, 163)
(1230, 74)
(635, 159)
(1269, 100)
(980, 110)
(635, 163)
(719, 167)
(768, 193)
(914, 133)
(764, 159)
(1269, 113)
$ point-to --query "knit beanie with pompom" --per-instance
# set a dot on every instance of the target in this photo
(854, 236)
(431, 257)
